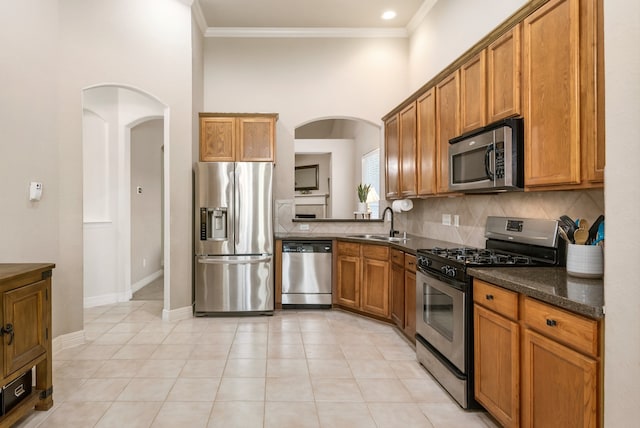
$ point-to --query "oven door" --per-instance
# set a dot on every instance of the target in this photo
(441, 318)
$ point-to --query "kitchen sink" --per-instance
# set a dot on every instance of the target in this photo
(380, 238)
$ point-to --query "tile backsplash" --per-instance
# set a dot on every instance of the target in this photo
(425, 219)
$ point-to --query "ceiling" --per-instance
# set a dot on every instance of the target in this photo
(311, 15)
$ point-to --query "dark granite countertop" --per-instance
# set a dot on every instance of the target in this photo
(410, 245)
(551, 285)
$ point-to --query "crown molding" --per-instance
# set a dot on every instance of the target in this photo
(197, 13)
(420, 15)
(306, 32)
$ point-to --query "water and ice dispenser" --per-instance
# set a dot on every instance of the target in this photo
(213, 224)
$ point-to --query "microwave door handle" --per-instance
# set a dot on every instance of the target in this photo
(487, 162)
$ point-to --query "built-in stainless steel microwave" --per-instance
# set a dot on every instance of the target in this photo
(489, 159)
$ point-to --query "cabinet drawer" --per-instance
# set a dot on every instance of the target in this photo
(376, 252)
(497, 299)
(348, 248)
(410, 262)
(397, 257)
(573, 330)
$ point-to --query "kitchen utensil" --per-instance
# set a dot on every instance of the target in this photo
(581, 235)
(563, 234)
(599, 235)
(593, 230)
(570, 226)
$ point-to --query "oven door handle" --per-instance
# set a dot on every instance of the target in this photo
(459, 285)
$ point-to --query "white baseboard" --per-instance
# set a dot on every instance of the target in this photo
(146, 280)
(177, 314)
(68, 340)
(106, 299)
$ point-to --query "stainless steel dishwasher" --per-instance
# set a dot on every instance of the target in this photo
(306, 274)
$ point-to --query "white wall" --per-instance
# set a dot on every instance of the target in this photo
(450, 28)
(144, 44)
(622, 197)
(302, 80)
(51, 51)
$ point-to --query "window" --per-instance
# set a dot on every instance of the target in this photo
(371, 175)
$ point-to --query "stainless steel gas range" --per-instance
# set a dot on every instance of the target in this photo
(444, 300)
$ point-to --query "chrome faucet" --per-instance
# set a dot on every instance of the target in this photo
(392, 232)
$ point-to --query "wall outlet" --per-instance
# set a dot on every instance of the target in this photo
(144, 262)
(456, 220)
(446, 219)
(304, 227)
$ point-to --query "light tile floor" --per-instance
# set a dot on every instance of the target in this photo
(293, 369)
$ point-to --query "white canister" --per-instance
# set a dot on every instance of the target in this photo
(585, 261)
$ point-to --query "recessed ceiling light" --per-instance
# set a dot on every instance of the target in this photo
(389, 14)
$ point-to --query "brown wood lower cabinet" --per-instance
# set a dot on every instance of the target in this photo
(410, 297)
(536, 365)
(397, 288)
(25, 294)
(403, 292)
(496, 361)
(559, 385)
(363, 278)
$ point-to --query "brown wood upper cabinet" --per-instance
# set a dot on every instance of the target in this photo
(447, 124)
(473, 93)
(400, 143)
(426, 147)
(237, 137)
(490, 83)
(392, 157)
(563, 111)
(408, 151)
(504, 76)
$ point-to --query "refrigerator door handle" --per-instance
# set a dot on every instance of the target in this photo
(234, 261)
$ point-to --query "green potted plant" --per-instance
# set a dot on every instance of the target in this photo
(363, 192)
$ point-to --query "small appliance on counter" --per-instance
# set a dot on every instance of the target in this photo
(233, 242)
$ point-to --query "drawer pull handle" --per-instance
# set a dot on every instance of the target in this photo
(551, 323)
(489, 296)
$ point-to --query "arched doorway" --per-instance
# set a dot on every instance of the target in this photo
(110, 112)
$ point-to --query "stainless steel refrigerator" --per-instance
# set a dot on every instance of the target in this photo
(233, 238)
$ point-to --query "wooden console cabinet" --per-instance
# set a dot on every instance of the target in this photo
(25, 320)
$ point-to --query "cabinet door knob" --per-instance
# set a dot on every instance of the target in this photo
(489, 296)
(7, 329)
(551, 323)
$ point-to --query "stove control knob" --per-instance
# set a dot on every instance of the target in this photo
(448, 270)
(424, 261)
